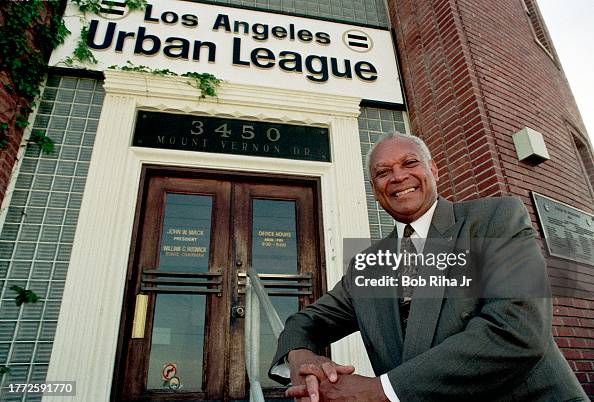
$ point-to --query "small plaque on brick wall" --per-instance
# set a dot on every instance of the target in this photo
(569, 232)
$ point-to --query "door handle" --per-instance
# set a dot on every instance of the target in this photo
(238, 311)
(139, 322)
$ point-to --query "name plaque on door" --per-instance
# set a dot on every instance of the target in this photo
(231, 136)
(569, 232)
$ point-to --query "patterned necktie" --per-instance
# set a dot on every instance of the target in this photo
(406, 247)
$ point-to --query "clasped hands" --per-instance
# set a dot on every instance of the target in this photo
(316, 378)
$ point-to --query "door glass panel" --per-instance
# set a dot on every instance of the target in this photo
(274, 251)
(185, 240)
(177, 339)
(178, 326)
(274, 237)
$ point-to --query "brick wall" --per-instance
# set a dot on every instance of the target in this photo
(573, 328)
(8, 108)
(12, 104)
(474, 74)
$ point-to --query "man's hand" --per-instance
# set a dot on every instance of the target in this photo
(309, 369)
(348, 388)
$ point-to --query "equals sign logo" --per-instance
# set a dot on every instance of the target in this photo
(112, 7)
(358, 41)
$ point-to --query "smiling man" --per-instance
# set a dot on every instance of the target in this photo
(435, 346)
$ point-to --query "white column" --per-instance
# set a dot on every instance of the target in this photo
(351, 210)
(89, 316)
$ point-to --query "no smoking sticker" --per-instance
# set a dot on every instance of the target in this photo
(169, 371)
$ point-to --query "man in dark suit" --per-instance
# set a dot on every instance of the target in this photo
(437, 346)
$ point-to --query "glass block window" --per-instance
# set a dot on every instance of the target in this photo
(372, 124)
(371, 12)
(37, 235)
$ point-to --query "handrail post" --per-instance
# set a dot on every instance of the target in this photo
(274, 320)
(252, 342)
(255, 295)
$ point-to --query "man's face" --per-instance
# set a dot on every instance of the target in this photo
(404, 183)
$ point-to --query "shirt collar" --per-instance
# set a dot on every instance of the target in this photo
(421, 225)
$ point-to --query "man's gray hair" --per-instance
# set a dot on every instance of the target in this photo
(425, 153)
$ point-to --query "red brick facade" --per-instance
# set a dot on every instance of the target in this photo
(474, 74)
(8, 107)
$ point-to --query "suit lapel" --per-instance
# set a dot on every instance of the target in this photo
(427, 301)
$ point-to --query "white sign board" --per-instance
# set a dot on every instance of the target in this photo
(240, 46)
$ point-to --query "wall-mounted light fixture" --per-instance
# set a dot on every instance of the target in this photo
(530, 146)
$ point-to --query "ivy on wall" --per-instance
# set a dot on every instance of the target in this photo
(26, 40)
(82, 53)
(23, 56)
(94, 6)
(205, 82)
(17, 55)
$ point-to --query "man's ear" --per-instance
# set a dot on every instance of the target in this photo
(434, 170)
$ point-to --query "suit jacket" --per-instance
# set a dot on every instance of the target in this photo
(456, 348)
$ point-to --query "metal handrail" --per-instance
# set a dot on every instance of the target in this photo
(283, 284)
(256, 295)
(271, 315)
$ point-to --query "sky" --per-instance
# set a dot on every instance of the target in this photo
(571, 26)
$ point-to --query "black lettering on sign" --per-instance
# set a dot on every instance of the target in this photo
(317, 69)
(231, 136)
(149, 45)
(170, 18)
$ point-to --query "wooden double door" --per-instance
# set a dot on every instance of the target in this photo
(182, 326)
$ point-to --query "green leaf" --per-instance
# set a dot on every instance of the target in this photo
(136, 4)
(24, 295)
(40, 138)
(82, 52)
(21, 121)
(88, 5)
